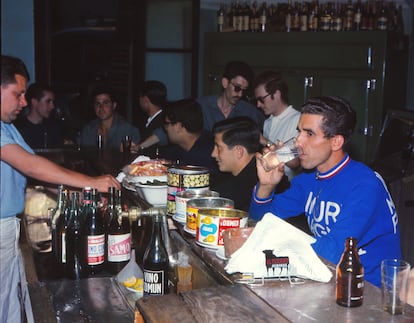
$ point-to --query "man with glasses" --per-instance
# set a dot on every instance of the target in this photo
(271, 94)
(237, 78)
(109, 124)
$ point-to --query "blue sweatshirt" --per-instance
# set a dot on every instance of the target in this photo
(350, 200)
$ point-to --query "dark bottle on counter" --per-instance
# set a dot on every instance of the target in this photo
(95, 231)
(61, 227)
(54, 220)
(350, 276)
(75, 242)
(118, 250)
(156, 263)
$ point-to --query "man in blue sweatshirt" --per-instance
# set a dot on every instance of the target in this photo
(340, 197)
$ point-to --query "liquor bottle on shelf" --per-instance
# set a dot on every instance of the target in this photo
(254, 20)
(350, 276)
(263, 18)
(95, 231)
(76, 266)
(156, 263)
(336, 20)
(303, 17)
(246, 14)
(382, 19)
(61, 227)
(325, 19)
(358, 16)
(54, 219)
(288, 17)
(118, 250)
(220, 18)
(313, 18)
(348, 19)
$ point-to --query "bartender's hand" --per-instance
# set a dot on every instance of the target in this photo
(104, 182)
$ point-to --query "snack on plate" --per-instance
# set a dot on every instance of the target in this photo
(136, 284)
(148, 168)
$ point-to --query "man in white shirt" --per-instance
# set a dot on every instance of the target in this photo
(271, 94)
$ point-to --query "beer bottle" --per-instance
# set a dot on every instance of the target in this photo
(350, 276)
(75, 242)
(220, 18)
(54, 220)
(118, 241)
(61, 227)
(95, 231)
(156, 262)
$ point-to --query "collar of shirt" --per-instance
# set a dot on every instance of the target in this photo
(152, 118)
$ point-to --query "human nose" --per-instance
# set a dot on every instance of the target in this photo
(23, 101)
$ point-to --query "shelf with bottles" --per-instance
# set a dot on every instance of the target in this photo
(310, 16)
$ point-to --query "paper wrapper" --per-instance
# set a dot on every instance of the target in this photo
(273, 233)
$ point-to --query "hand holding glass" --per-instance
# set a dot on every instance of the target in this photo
(285, 153)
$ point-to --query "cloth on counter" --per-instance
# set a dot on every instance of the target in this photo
(273, 233)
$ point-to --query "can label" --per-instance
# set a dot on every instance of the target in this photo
(191, 221)
(119, 247)
(96, 249)
(210, 228)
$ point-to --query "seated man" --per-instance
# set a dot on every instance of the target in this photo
(237, 78)
(152, 99)
(191, 145)
(341, 197)
(37, 127)
(111, 125)
(236, 142)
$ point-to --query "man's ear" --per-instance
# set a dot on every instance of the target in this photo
(225, 82)
(337, 142)
(115, 105)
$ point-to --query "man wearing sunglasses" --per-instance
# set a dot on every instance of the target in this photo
(237, 78)
(271, 94)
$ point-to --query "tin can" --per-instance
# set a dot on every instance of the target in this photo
(181, 199)
(194, 205)
(183, 178)
(211, 222)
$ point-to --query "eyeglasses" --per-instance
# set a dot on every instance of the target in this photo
(238, 88)
(262, 98)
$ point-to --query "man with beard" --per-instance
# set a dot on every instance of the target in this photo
(236, 80)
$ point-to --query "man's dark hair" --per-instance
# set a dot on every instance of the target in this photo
(237, 68)
(103, 89)
(10, 66)
(156, 92)
(272, 82)
(188, 112)
(338, 117)
(241, 131)
(37, 91)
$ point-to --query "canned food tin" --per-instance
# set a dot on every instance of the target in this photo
(194, 205)
(181, 199)
(183, 178)
(211, 222)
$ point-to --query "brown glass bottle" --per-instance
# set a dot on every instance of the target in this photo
(75, 242)
(156, 263)
(118, 250)
(95, 231)
(61, 227)
(350, 276)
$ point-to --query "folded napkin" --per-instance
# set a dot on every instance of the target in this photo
(140, 158)
(285, 240)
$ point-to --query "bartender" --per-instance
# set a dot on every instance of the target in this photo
(17, 162)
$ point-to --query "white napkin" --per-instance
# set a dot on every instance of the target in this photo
(273, 233)
(140, 158)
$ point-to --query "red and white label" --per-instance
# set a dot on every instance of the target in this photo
(96, 249)
(119, 247)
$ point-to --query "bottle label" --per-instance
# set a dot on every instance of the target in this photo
(119, 247)
(96, 249)
(154, 282)
(63, 259)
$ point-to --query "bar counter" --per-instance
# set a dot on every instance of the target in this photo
(214, 298)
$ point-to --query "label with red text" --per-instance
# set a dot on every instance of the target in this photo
(96, 249)
(119, 247)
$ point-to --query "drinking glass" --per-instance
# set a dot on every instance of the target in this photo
(284, 153)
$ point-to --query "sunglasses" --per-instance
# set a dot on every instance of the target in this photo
(238, 88)
(262, 98)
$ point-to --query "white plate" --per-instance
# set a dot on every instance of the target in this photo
(192, 232)
(179, 219)
(221, 254)
(206, 245)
